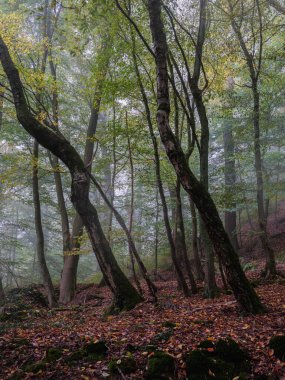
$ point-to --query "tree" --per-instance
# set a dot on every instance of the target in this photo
(125, 296)
(254, 62)
(244, 293)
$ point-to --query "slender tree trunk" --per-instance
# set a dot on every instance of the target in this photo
(2, 293)
(270, 267)
(230, 181)
(197, 261)
(45, 275)
(243, 291)
(180, 234)
(69, 272)
(120, 220)
(1, 108)
(156, 241)
(254, 72)
(179, 274)
(131, 211)
(210, 286)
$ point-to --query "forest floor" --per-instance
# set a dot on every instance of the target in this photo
(175, 325)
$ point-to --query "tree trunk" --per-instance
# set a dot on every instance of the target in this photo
(131, 211)
(179, 274)
(270, 267)
(1, 108)
(243, 291)
(125, 295)
(254, 72)
(45, 275)
(2, 293)
(197, 261)
(68, 277)
(230, 181)
(180, 235)
(210, 286)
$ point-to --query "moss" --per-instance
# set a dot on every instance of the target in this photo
(18, 342)
(92, 352)
(277, 344)
(229, 350)
(35, 367)
(164, 335)
(75, 356)
(126, 364)
(160, 366)
(98, 348)
(197, 363)
(17, 375)
(169, 324)
(207, 344)
(53, 354)
(224, 360)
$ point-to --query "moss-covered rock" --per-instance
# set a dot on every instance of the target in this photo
(229, 350)
(160, 366)
(223, 360)
(169, 324)
(35, 367)
(277, 344)
(164, 335)
(53, 354)
(207, 344)
(197, 362)
(92, 351)
(17, 375)
(19, 342)
(126, 364)
(98, 348)
(76, 356)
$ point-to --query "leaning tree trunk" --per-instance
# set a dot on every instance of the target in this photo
(243, 291)
(40, 248)
(125, 295)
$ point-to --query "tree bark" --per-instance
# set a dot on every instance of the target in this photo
(179, 274)
(180, 235)
(45, 275)
(230, 181)
(69, 272)
(197, 261)
(125, 295)
(243, 291)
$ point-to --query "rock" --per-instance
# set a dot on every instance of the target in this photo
(98, 348)
(53, 354)
(35, 367)
(160, 366)
(221, 360)
(277, 344)
(92, 351)
(164, 335)
(169, 324)
(126, 364)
